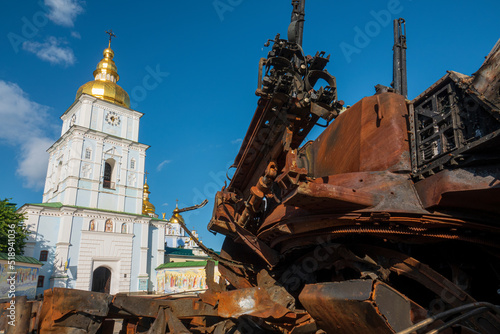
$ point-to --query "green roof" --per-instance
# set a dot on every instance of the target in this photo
(49, 205)
(184, 264)
(20, 259)
(178, 251)
(59, 205)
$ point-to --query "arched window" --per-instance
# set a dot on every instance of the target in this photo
(43, 255)
(109, 174)
(92, 226)
(109, 226)
(40, 281)
(88, 153)
(124, 228)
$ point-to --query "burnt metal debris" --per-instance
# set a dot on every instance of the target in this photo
(386, 223)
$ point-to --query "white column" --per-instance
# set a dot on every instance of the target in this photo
(86, 112)
(140, 179)
(100, 117)
(143, 263)
(74, 153)
(33, 216)
(96, 173)
(123, 165)
(59, 276)
(161, 244)
(135, 129)
(124, 126)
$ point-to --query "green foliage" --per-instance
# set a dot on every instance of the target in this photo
(11, 221)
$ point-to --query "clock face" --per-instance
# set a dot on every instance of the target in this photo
(112, 118)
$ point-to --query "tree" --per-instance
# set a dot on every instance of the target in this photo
(13, 233)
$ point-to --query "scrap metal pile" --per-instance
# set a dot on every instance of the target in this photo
(388, 220)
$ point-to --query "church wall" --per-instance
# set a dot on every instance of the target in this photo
(74, 249)
(48, 230)
(78, 119)
(149, 256)
(136, 257)
(93, 119)
(133, 190)
(130, 130)
(109, 249)
(130, 204)
(97, 118)
(114, 130)
(83, 197)
(108, 201)
(153, 241)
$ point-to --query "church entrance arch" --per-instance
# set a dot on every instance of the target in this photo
(101, 280)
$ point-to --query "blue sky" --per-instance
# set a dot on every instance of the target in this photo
(204, 57)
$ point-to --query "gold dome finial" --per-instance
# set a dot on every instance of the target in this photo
(175, 214)
(108, 53)
(105, 77)
(147, 207)
(111, 35)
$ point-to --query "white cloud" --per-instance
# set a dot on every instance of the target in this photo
(164, 204)
(76, 34)
(51, 51)
(236, 141)
(25, 125)
(33, 162)
(162, 164)
(64, 12)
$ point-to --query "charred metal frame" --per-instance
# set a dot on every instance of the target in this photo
(451, 125)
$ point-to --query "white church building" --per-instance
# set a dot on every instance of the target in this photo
(96, 229)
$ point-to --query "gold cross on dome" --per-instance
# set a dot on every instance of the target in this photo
(111, 35)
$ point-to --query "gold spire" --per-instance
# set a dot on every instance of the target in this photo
(175, 214)
(105, 77)
(147, 207)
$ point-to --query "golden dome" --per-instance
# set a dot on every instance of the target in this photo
(104, 85)
(147, 207)
(176, 215)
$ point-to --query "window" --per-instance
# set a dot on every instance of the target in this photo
(43, 255)
(88, 153)
(124, 228)
(132, 163)
(108, 176)
(92, 225)
(40, 281)
(109, 226)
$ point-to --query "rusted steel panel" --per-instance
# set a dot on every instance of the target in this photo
(369, 136)
(318, 196)
(73, 311)
(347, 307)
(459, 189)
(251, 301)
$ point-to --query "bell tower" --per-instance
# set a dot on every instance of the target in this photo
(98, 162)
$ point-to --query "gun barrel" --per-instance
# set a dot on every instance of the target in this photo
(297, 19)
(399, 79)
